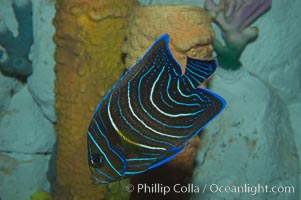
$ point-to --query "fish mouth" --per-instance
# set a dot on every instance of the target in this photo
(100, 177)
(95, 180)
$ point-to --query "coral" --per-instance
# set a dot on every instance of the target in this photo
(117, 191)
(234, 18)
(189, 29)
(14, 61)
(89, 35)
(190, 35)
(40, 195)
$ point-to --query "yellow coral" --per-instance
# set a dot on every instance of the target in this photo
(117, 191)
(40, 195)
(189, 29)
(89, 35)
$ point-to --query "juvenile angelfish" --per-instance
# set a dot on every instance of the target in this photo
(150, 114)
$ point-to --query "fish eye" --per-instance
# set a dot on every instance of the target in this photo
(96, 160)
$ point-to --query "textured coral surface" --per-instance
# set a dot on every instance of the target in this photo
(189, 29)
(190, 35)
(89, 35)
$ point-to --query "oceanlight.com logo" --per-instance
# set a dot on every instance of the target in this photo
(250, 189)
(158, 188)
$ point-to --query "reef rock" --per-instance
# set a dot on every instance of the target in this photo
(275, 57)
(23, 127)
(20, 175)
(26, 142)
(26, 136)
(278, 60)
(8, 86)
(251, 142)
(41, 82)
(17, 47)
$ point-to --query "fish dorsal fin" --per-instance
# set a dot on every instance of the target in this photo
(197, 71)
(160, 51)
(151, 58)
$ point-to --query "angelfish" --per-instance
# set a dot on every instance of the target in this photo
(150, 114)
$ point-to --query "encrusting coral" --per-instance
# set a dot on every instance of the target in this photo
(14, 55)
(189, 29)
(234, 18)
(89, 35)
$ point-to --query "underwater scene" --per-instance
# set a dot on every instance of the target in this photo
(150, 99)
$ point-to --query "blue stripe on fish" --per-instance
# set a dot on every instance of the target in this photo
(137, 131)
(135, 159)
(150, 154)
(164, 101)
(150, 114)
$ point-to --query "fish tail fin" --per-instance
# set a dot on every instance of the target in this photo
(197, 71)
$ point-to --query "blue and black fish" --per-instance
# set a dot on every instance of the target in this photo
(150, 114)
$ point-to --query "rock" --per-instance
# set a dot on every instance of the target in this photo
(20, 175)
(8, 87)
(275, 55)
(26, 136)
(24, 128)
(7, 17)
(251, 142)
(18, 47)
(41, 82)
(295, 116)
